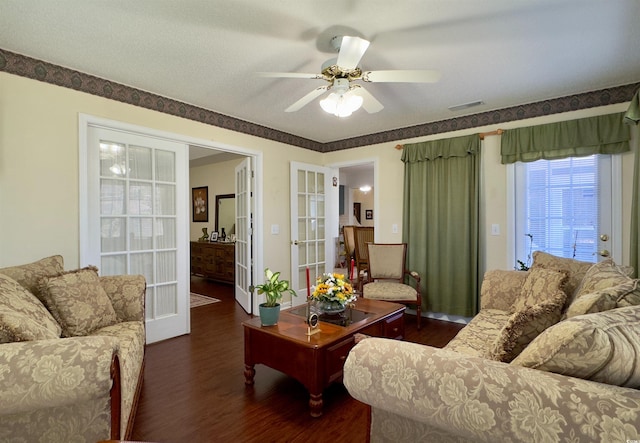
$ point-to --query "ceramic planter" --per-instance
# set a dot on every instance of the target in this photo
(269, 314)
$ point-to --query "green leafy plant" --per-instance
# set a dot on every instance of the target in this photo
(273, 288)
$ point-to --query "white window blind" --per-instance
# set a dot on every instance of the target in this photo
(558, 206)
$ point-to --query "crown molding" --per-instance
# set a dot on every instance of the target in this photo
(35, 69)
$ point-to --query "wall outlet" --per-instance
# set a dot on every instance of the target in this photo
(394, 228)
(275, 229)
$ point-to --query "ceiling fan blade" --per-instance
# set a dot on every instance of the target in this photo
(306, 99)
(402, 76)
(351, 51)
(288, 75)
(369, 102)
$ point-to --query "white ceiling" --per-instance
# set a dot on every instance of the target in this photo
(206, 53)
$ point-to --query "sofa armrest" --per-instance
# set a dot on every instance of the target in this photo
(127, 293)
(500, 289)
(481, 400)
(46, 374)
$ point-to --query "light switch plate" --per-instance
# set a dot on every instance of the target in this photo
(495, 229)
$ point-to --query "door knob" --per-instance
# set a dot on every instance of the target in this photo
(295, 242)
(604, 253)
(604, 237)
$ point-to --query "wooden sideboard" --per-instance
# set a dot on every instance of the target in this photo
(214, 260)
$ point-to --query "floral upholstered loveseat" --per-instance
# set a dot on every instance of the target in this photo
(552, 356)
(71, 353)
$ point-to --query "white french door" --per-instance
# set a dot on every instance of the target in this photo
(244, 234)
(313, 222)
(136, 217)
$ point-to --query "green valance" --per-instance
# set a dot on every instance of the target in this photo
(604, 134)
(632, 116)
(445, 148)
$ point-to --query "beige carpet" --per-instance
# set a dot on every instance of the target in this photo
(201, 300)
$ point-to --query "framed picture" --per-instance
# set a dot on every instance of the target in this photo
(368, 214)
(200, 203)
(213, 236)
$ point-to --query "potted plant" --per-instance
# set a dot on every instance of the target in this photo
(273, 289)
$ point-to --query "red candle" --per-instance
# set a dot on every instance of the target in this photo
(308, 285)
(351, 270)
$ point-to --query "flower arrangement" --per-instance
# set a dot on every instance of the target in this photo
(333, 288)
(273, 288)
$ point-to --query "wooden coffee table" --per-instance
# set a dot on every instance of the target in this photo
(316, 360)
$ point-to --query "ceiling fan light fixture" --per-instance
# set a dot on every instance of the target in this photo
(341, 105)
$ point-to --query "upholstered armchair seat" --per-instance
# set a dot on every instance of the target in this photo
(386, 290)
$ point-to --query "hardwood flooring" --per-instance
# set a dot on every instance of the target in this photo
(194, 387)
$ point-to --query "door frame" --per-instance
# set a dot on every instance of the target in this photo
(376, 195)
(86, 120)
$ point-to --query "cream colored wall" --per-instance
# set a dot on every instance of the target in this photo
(39, 173)
(494, 192)
(220, 179)
(39, 169)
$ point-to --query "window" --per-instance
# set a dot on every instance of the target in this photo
(563, 207)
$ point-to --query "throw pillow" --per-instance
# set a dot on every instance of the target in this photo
(602, 275)
(624, 294)
(77, 300)
(22, 316)
(575, 269)
(525, 325)
(29, 275)
(602, 347)
(540, 286)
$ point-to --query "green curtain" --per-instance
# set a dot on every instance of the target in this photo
(440, 221)
(604, 134)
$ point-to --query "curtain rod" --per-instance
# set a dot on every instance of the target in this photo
(482, 135)
(496, 132)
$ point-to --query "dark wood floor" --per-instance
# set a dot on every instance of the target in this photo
(194, 387)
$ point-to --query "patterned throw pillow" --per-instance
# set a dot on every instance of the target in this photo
(603, 275)
(77, 300)
(540, 286)
(22, 316)
(525, 325)
(601, 347)
(29, 275)
(622, 295)
(575, 269)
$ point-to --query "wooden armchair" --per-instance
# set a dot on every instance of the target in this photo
(386, 276)
(349, 245)
(362, 236)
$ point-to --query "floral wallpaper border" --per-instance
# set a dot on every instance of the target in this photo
(24, 66)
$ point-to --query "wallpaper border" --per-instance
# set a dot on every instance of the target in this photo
(24, 66)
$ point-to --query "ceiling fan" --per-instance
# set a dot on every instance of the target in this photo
(342, 72)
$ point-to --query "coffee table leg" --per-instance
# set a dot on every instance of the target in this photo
(315, 404)
(249, 373)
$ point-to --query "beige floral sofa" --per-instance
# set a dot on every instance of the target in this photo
(71, 353)
(552, 356)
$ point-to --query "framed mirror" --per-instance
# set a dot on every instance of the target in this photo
(225, 213)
